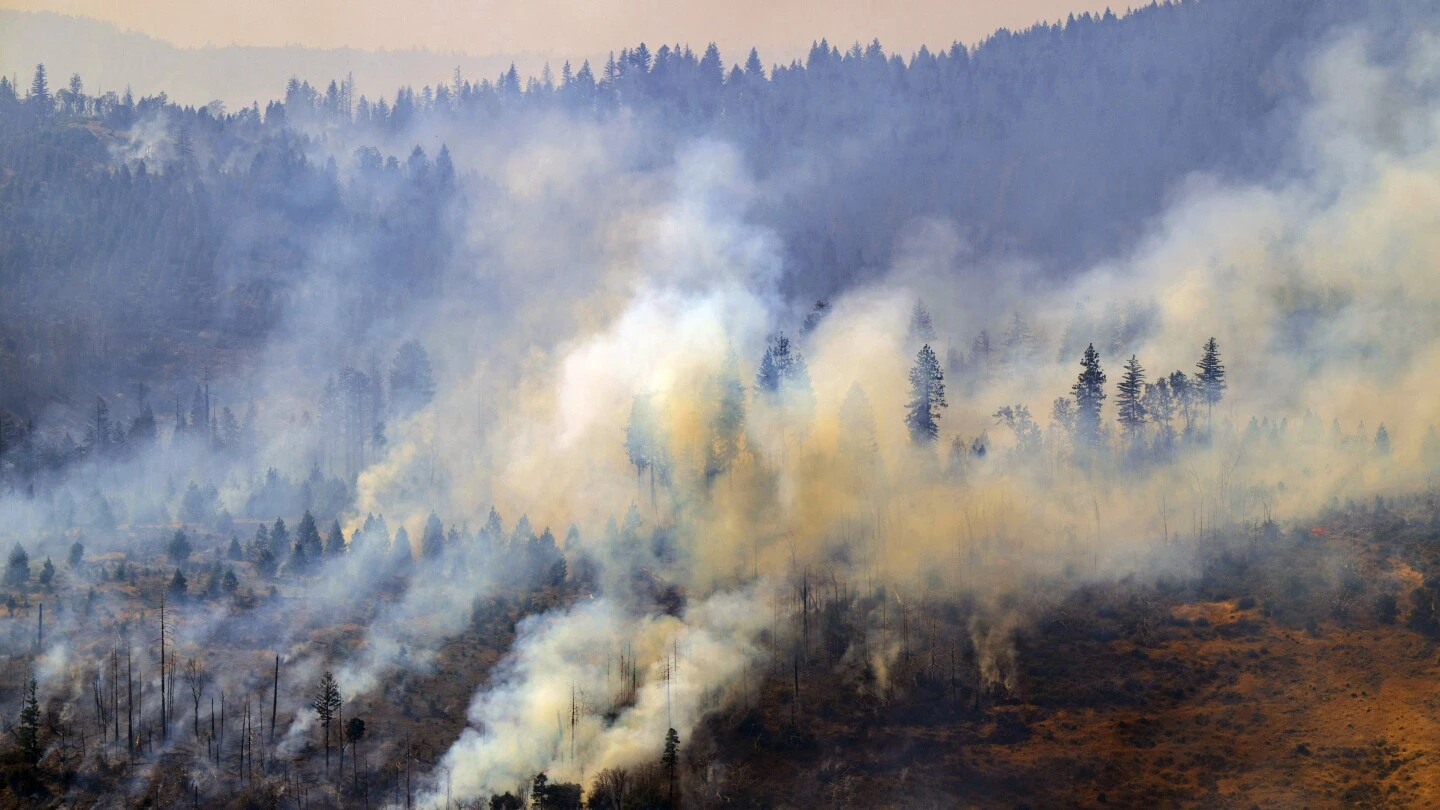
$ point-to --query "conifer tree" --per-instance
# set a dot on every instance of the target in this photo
(400, 549)
(927, 397)
(1089, 391)
(432, 541)
(335, 541)
(922, 329)
(326, 703)
(670, 759)
(39, 98)
(279, 539)
(27, 731)
(178, 584)
(179, 548)
(1211, 379)
(17, 567)
(1128, 405)
(307, 537)
(728, 421)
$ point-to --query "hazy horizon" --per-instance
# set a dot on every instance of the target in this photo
(564, 28)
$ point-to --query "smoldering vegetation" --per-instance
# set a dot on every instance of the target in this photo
(492, 446)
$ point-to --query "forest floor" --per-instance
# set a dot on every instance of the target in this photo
(1294, 690)
(1298, 669)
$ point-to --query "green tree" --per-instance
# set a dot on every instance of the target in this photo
(1129, 406)
(727, 424)
(179, 548)
(39, 99)
(77, 553)
(432, 541)
(234, 553)
(307, 537)
(412, 380)
(1211, 379)
(922, 329)
(335, 541)
(670, 759)
(279, 539)
(27, 732)
(326, 703)
(400, 550)
(47, 572)
(17, 567)
(229, 583)
(927, 397)
(1089, 391)
(178, 584)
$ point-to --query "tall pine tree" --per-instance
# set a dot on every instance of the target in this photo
(1128, 404)
(1211, 379)
(927, 397)
(1089, 390)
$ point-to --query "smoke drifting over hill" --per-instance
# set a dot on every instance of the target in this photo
(594, 304)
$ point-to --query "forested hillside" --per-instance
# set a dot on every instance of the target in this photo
(1045, 423)
(140, 241)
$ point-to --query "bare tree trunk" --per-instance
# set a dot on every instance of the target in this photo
(274, 698)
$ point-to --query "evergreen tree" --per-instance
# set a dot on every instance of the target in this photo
(927, 397)
(279, 539)
(27, 731)
(265, 562)
(1211, 379)
(1089, 391)
(179, 548)
(728, 421)
(767, 378)
(17, 567)
(922, 330)
(47, 571)
(307, 537)
(982, 358)
(229, 583)
(326, 703)
(400, 550)
(670, 759)
(1019, 341)
(1130, 409)
(39, 98)
(77, 553)
(1382, 443)
(815, 317)
(432, 541)
(234, 553)
(335, 541)
(178, 584)
(412, 380)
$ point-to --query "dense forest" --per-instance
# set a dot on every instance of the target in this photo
(875, 430)
(143, 240)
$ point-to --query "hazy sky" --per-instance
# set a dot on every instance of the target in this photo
(565, 27)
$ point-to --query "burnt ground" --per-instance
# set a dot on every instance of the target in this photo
(1284, 676)
(1298, 669)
